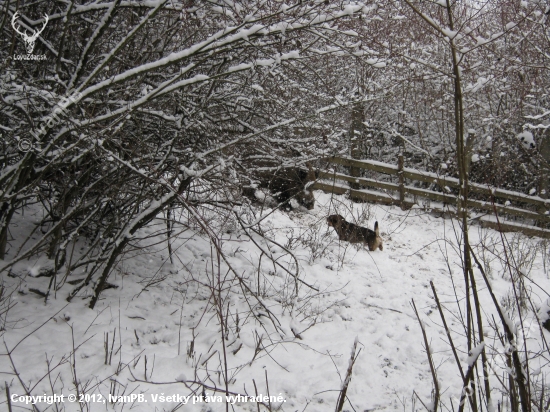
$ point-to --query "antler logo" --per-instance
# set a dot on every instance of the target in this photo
(29, 40)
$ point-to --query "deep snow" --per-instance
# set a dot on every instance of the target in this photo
(165, 324)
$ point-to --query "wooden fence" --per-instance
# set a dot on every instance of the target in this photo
(396, 193)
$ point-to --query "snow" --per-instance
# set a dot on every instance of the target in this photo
(376, 63)
(294, 54)
(451, 34)
(350, 33)
(510, 323)
(474, 354)
(480, 83)
(239, 67)
(539, 116)
(34, 268)
(299, 345)
(265, 62)
(527, 139)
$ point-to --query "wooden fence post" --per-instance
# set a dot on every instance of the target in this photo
(400, 165)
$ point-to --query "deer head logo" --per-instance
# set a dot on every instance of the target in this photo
(29, 40)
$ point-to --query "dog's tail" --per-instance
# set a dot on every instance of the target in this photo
(378, 238)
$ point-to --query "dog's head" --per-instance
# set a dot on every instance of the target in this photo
(305, 198)
(335, 220)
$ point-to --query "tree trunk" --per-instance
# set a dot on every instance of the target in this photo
(544, 177)
(356, 140)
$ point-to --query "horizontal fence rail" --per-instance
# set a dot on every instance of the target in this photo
(540, 215)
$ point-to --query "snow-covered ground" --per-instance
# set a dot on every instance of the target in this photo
(163, 320)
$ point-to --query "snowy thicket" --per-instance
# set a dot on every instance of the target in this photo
(144, 123)
(141, 107)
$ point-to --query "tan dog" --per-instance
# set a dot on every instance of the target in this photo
(356, 234)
